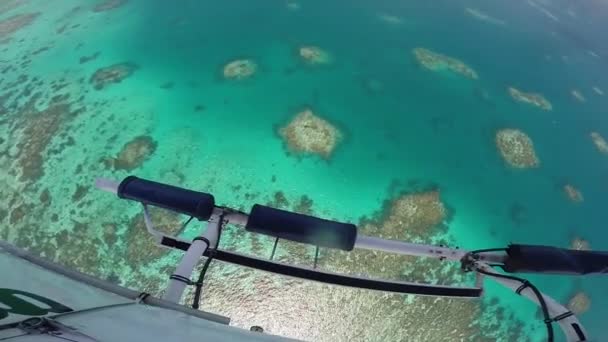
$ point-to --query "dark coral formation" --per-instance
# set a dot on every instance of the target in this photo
(142, 247)
(15, 23)
(167, 85)
(304, 205)
(9, 5)
(39, 118)
(112, 74)
(87, 246)
(75, 246)
(45, 197)
(86, 59)
(38, 129)
(18, 213)
(4, 99)
(518, 213)
(110, 234)
(133, 153)
(108, 5)
(76, 255)
(279, 201)
(41, 50)
(372, 86)
(80, 192)
(36, 122)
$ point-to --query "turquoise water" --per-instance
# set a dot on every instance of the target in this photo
(404, 127)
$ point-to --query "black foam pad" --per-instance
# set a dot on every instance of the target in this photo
(184, 201)
(301, 228)
(546, 259)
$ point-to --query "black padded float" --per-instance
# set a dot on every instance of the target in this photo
(545, 259)
(301, 228)
(184, 201)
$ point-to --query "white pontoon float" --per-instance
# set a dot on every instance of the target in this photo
(42, 301)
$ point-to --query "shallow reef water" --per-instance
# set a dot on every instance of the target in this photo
(464, 123)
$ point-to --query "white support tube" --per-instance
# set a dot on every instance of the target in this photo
(555, 309)
(176, 287)
(107, 185)
(407, 248)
